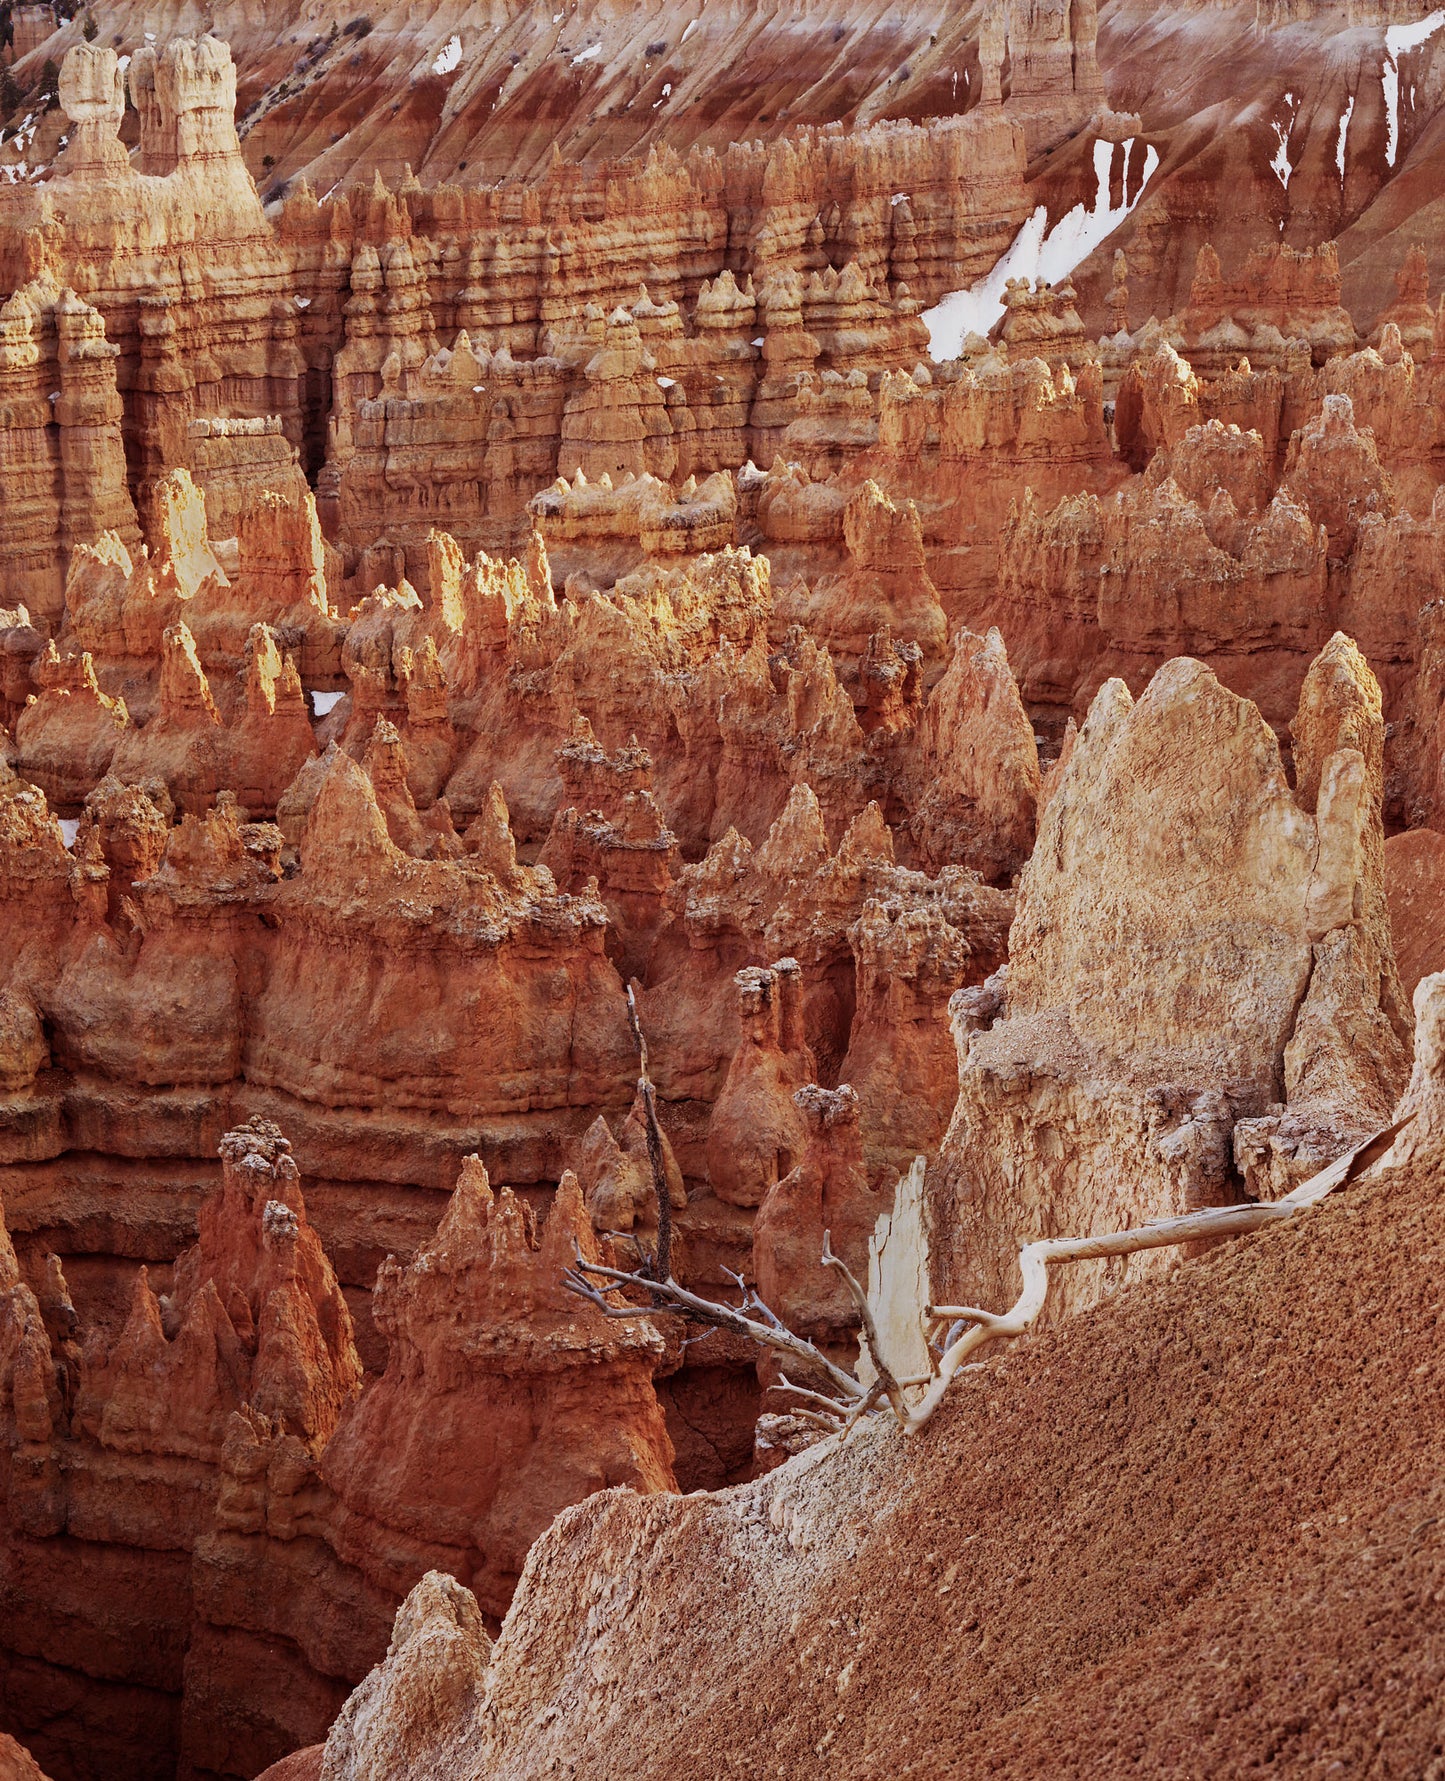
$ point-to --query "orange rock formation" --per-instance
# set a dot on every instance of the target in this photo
(497, 564)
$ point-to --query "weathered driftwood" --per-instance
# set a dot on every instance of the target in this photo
(661, 1294)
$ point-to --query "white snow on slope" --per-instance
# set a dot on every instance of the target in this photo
(1398, 39)
(1037, 252)
(323, 703)
(449, 58)
(588, 55)
(1280, 165)
(68, 827)
(1349, 112)
(1391, 79)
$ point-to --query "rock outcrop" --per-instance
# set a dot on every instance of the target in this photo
(214, 1435)
(504, 592)
(1166, 1417)
(1199, 977)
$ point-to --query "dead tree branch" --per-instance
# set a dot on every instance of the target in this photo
(970, 1327)
(1035, 1259)
(892, 1390)
(594, 1282)
(662, 1261)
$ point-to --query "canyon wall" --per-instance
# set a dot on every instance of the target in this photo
(520, 601)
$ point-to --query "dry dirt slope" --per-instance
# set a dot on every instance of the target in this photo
(1198, 1532)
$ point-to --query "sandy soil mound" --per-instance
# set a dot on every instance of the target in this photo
(1198, 1531)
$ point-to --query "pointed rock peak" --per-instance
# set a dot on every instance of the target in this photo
(438, 1601)
(489, 837)
(464, 1225)
(539, 570)
(728, 859)
(183, 545)
(446, 567)
(265, 666)
(1109, 706)
(345, 819)
(868, 837)
(568, 1227)
(55, 1301)
(513, 1227)
(142, 1333)
(385, 758)
(1339, 707)
(798, 839)
(428, 1685)
(599, 1149)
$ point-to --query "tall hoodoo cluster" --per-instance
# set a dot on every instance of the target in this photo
(207, 1469)
(713, 721)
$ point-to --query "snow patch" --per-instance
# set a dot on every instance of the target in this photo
(1391, 81)
(692, 26)
(1348, 113)
(1038, 253)
(1399, 39)
(1280, 165)
(666, 383)
(588, 55)
(450, 58)
(323, 703)
(900, 198)
(69, 826)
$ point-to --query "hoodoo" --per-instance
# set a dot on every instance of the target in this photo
(722, 890)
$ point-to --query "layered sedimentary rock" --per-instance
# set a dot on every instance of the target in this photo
(376, 332)
(359, 968)
(121, 1455)
(63, 458)
(431, 610)
(172, 252)
(1223, 549)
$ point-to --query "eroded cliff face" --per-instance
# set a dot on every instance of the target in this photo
(1173, 1421)
(518, 590)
